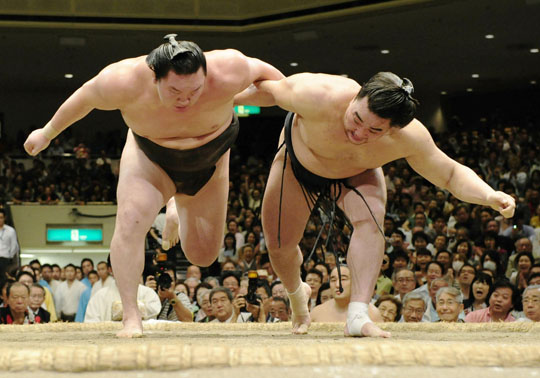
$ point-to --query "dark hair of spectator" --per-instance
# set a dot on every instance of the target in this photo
(324, 286)
(25, 273)
(400, 253)
(482, 278)
(496, 258)
(534, 275)
(202, 285)
(281, 299)
(463, 266)
(39, 287)
(87, 259)
(317, 272)
(524, 253)
(229, 273)
(16, 284)
(392, 299)
(516, 297)
(423, 251)
(420, 235)
(221, 289)
(438, 264)
(34, 261)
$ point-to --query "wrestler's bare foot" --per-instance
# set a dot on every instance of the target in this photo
(172, 229)
(300, 311)
(360, 321)
(369, 330)
(132, 329)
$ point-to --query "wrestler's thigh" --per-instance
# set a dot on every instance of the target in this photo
(143, 187)
(202, 216)
(372, 186)
(294, 209)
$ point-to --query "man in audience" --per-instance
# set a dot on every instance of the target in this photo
(431, 314)
(68, 295)
(465, 277)
(16, 311)
(501, 303)
(37, 296)
(106, 304)
(280, 310)
(531, 303)
(105, 277)
(47, 276)
(222, 308)
(404, 282)
(56, 273)
(414, 307)
(175, 306)
(87, 265)
(449, 304)
(231, 281)
(9, 246)
(335, 310)
(193, 271)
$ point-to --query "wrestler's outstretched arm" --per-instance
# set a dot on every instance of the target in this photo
(296, 93)
(433, 164)
(101, 92)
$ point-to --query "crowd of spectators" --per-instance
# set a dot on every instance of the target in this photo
(445, 260)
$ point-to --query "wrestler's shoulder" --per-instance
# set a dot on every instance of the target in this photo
(225, 60)
(411, 137)
(125, 75)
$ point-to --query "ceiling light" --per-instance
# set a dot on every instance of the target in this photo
(489, 36)
(534, 51)
(385, 51)
(469, 89)
(533, 82)
(294, 64)
(68, 76)
(475, 76)
(443, 92)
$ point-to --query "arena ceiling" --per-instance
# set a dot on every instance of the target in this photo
(438, 44)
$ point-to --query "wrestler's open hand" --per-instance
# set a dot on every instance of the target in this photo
(503, 203)
(36, 142)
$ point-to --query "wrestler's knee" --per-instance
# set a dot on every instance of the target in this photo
(199, 253)
(130, 221)
(278, 249)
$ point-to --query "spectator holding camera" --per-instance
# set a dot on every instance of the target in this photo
(175, 306)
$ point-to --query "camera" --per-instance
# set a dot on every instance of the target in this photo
(251, 296)
(163, 280)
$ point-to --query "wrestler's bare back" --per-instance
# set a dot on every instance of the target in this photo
(137, 97)
(319, 136)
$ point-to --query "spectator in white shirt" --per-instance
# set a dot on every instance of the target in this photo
(68, 294)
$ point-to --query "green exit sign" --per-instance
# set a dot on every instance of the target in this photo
(245, 110)
(90, 235)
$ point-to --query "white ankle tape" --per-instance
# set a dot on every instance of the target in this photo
(298, 301)
(357, 317)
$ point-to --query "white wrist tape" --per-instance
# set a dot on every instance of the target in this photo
(50, 132)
